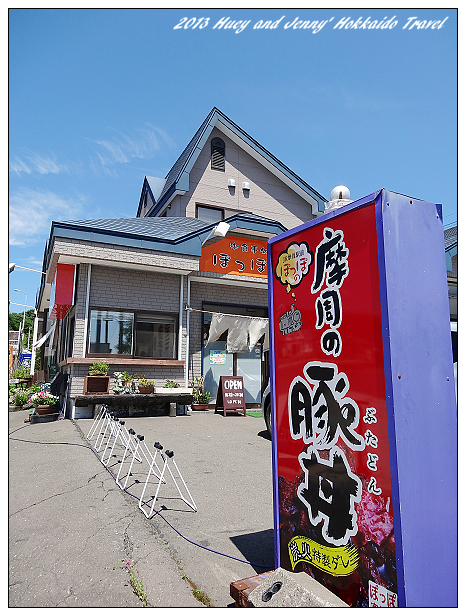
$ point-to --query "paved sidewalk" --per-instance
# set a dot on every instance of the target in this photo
(72, 529)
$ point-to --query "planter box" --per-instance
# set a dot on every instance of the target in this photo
(96, 385)
(146, 389)
(199, 407)
(173, 390)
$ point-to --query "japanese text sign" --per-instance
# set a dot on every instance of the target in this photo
(334, 485)
(235, 255)
(353, 416)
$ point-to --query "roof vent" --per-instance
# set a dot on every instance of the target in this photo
(217, 154)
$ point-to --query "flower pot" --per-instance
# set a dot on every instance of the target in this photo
(43, 409)
(199, 407)
(146, 389)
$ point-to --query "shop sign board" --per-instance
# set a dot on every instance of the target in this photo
(230, 395)
(354, 417)
(235, 255)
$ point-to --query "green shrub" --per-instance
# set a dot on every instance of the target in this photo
(23, 372)
(98, 368)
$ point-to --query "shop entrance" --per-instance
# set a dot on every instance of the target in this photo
(217, 362)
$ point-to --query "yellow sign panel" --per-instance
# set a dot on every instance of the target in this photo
(336, 561)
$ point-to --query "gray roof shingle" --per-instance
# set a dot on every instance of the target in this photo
(451, 237)
(167, 228)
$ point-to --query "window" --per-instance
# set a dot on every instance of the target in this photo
(209, 214)
(111, 332)
(134, 334)
(217, 154)
(155, 336)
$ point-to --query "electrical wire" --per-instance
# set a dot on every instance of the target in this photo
(247, 562)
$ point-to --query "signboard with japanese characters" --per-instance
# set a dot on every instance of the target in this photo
(337, 511)
(235, 255)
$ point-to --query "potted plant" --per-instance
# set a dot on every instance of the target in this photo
(145, 386)
(43, 402)
(97, 381)
(201, 398)
(127, 378)
(98, 368)
(170, 384)
(19, 397)
(23, 375)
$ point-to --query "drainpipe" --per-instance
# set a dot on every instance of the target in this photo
(188, 312)
(180, 320)
(34, 340)
(86, 314)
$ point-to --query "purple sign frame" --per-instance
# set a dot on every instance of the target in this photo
(420, 393)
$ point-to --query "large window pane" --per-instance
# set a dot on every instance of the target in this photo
(155, 336)
(111, 332)
(209, 214)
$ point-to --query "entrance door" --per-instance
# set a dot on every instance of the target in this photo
(248, 365)
(216, 362)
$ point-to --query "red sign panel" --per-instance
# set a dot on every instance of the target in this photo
(62, 291)
(333, 484)
(235, 255)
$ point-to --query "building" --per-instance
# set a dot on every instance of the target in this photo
(451, 252)
(140, 293)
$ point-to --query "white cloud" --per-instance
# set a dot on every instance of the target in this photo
(32, 211)
(18, 166)
(33, 162)
(122, 147)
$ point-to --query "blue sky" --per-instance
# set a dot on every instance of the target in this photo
(100, 98)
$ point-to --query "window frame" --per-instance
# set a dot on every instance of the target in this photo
(173, 315)
(209, 207)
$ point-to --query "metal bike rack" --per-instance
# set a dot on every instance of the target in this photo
(111, 432)
(98, 420)
(167, 458)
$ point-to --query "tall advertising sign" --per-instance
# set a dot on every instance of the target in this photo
(361, 376)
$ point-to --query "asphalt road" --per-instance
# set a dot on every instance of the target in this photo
(72, 530)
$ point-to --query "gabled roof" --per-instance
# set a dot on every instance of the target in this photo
(153, 186)
(177, 179)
